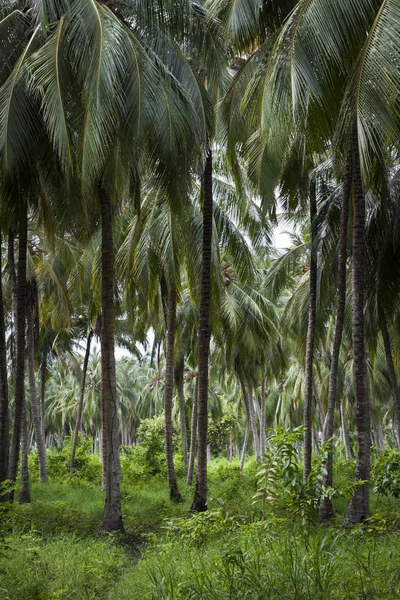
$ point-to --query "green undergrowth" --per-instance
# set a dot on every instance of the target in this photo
(258, 540)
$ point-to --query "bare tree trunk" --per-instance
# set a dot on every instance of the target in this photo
(318, 404)
(24, 493)
(13, 284)
(393, 378)
(199, 503)
(179, 375)
(36, 421)
(263, 438)
(4, 411)
(245, 443)
(19, 383)
(168, 393)
(248, 402)
(112, 519)
(312, 316)
(345, 433)
(193, 435)
(326, 509)
(43, 370)
(359, 506)
(80, 401)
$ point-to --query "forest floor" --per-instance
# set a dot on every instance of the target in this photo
(239, 549)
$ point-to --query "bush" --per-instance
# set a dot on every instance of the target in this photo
(386, 474)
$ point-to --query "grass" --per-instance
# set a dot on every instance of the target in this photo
(238, 550)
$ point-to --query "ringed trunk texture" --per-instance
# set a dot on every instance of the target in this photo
(19, 381)
(112, 519)
(393, 378)
(179, 375)
(13, 284)
(312, 316)
(359, 506)
(199, 503)
(80, 402)
(35, 412)
(193, 435)
(4, 411)
(326, 510)
(168, 393)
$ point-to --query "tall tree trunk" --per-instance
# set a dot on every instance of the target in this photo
(4, 412)
(43, 370)
(24, 492)
(179, 375)
(245, 443)
(168, 393)
(248, 402)
(393, 378)
(193, 434)
(359, 506)
(80, 402)
(13, 285)
(112, 519)
(19, 382)
(318, 404)
(312, 316)
(263, 438)
(199, 503)
(326, 510)
(345, 433)
(40, 442)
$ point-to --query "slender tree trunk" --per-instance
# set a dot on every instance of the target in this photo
(318, 404)
(13, 285)
(80, 402)
(24, 492)
(112, 519)
(345, 433)
(199, 503)
(326, 509)
(248, 402)
(359, 506)
(312, 316)
(393, 378)
(245, 443)
(43, 370)
(19, 382)
(4, 412)
(168, 393)
(179, 374)
(263, 438)
(41, 448)
(193, 435)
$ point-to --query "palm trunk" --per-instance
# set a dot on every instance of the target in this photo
(179, 374)
(393, 378)
(312, 316)
(193, 435)
(4, 412)
(33, 396)
(13, 285)
(326, 510)
(245, 443)
(43, 370)
(318, 405)
(359, 506)
(263, 438)
(199, 503)
(112, 519)
(19, 382)
(248, 402)
(80, 402)
(24, 492)
(168, 393)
